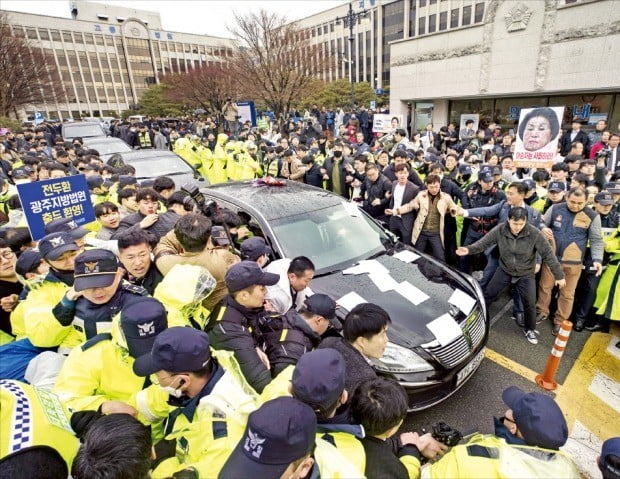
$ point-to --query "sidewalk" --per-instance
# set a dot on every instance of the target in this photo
(590, 399)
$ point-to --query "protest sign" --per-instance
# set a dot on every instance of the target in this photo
(468, 132)
(48, 200)
(382, 123)
(537, 137)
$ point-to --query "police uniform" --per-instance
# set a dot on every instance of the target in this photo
(491, 457)
(32, 416)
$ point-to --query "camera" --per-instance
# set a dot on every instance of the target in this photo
(207, 208)
(446, 434)
(603, 153)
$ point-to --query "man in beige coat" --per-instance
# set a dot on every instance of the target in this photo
(432, 205)
(190, 243)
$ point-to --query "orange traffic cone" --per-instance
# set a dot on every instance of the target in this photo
(546, 380)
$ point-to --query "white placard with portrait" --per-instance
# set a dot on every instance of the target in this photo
(387, 123)
(537, 136)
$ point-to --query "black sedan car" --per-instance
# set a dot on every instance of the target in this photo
(431, 361)
(150, 164)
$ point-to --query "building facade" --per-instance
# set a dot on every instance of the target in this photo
(368, 57)
(107, 56)
(523, 54)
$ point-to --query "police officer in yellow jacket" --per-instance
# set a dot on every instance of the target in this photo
(32, 416)
(318, 381)
(87, 309)
(212, 404)
(277, 443)
(526, 444)
(41, 326)
(99, 374)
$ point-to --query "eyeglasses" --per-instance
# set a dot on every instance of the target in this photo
(504, 418)
(7, 255)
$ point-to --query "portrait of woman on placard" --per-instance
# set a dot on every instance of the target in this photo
(538, 128)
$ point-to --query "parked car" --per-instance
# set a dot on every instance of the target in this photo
(154, 163)
(82, 129)
(107, 146)
(298, 219)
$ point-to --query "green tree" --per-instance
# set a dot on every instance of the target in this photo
(338, 93)
(154, 102)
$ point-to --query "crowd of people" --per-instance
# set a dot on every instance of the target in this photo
(166, 339)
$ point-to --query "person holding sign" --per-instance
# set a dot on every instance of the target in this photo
(538, 128)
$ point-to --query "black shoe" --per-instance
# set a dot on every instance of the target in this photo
(556, 329)
(519, 319)
(540, 317)
(579, 325)
(598, 327)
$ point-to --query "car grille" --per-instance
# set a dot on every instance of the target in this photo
(459, 349)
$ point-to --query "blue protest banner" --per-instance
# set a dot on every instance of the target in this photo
(47, 200)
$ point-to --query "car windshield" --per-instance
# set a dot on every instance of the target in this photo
(82, 131)
(154, 166)
(331, 237)
(105, 148)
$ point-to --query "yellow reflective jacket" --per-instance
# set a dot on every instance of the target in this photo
(99, 370)
(40, 325)
(220, 161)
(217, 419)
(333, 464)
(48, 422)
(182, 292)
(491, 457)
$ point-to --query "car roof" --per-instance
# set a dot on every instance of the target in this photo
(273, 202)
(141, 154)
(103, 139)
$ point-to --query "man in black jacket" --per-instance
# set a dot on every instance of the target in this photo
(293, 334)
(235, 325)
(375, 192)
(574, 135)
(147, 217)
(335, 172)
(134, 251)
(518, 243)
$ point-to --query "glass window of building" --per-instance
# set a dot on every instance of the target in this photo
(44, 34)
(421, 25)
(507, 110)
(479, 12)
(454, 18)
(412, 15)
(483, 107)
(422, 3)
(466, 15)
(432, 23)
(443, 20)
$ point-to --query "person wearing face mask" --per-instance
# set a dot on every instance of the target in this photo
(211, 402)
(334, 172)
(85, 382)
(34, 318)
(88, 307)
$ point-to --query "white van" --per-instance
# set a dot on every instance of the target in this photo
(136, 118)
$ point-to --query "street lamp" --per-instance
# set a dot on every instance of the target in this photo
(349, 20)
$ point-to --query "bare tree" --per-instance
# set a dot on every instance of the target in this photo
(205, 87)
(274, 60)
(24, 76)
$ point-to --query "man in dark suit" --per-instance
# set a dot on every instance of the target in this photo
(403, 191)
(574, 135)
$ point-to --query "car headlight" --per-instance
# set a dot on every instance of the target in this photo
(397, 359)
(479, 293)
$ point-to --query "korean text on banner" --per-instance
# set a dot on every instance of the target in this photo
(537, 136)
(48, 200)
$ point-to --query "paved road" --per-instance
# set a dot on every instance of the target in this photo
(511, 360)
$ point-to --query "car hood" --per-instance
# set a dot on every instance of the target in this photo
(409, 321)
